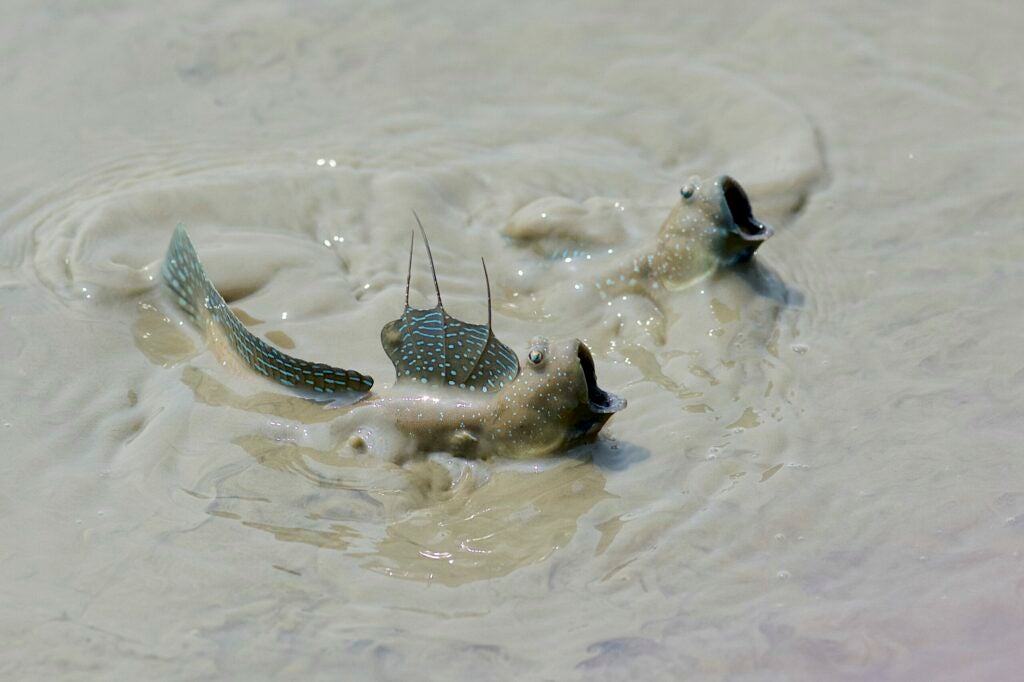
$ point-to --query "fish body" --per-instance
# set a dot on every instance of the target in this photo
(550, 407)
(628, 292)
(712, 226)
(458, 389)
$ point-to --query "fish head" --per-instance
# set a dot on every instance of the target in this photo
(555, 402)
(716, 214)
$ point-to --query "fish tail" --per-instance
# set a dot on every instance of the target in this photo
(201, 301)
(184, 274)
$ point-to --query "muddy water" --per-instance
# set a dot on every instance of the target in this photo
(819, 473)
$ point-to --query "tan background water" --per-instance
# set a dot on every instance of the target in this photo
(826, 482)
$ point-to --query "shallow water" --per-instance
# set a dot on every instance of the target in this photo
(819, 473)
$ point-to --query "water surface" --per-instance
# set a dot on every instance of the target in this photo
(819, 474)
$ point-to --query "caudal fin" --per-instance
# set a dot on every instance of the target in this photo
(202, 302)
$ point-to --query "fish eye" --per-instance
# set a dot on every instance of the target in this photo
(536, 356)
(688, 190)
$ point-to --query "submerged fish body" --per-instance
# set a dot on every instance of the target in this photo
(458, 389)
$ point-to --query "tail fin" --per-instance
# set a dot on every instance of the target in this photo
(198, 297)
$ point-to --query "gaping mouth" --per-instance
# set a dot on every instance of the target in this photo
(747, 226)
(600, 401)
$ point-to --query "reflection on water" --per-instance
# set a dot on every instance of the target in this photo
(212, 392)
(490, 529)
(159, 337)
(443, 521)
(280, 339)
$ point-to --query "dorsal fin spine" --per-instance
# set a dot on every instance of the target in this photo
(490, 329)
(487, 281)
(430, 256)
(437, 288)
(408, 275)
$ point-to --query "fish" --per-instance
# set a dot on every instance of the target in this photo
(711, 227)
(458, 389)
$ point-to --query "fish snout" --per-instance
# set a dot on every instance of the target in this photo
(599, 401)
(745, 231)
(736, 205)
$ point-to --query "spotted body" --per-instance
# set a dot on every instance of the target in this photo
(458, 388)
(712, 226)
(628, 292)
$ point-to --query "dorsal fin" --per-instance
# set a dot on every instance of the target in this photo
(432, 347)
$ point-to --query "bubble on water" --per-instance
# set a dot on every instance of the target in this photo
(799, 348)
(783, 575)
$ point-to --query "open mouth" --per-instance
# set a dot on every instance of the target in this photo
(748, 227)
(601, 401)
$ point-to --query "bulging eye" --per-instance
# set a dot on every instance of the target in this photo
(688, 190)
(536, 356)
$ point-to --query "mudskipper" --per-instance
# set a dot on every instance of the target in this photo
(711, 227)
(458, 388)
